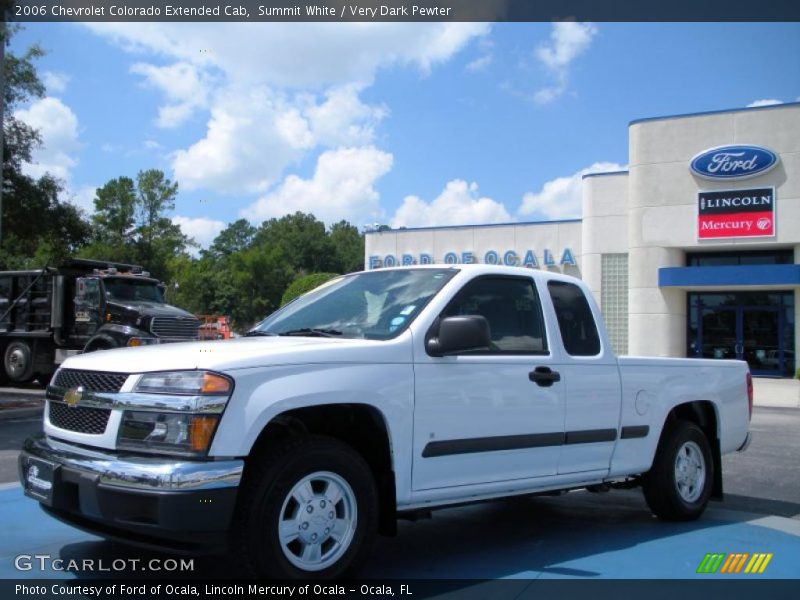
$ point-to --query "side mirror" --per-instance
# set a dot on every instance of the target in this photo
(460, 334)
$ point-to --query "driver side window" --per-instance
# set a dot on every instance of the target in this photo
(512, 308)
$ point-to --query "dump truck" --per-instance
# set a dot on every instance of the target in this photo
(49, 314)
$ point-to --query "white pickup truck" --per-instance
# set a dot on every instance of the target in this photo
(376, 396)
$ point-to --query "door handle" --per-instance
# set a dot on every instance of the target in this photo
(544, 377)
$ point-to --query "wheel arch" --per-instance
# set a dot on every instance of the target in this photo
(361, 426)
(704, 414)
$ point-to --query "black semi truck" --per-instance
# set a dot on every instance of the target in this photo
(49, 314)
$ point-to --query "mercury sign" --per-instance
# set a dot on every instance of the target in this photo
(736, 213)
(511, 258)
(733, 162)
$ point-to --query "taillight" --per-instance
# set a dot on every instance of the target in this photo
(750, 393)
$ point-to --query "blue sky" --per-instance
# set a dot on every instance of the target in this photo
(407, 124)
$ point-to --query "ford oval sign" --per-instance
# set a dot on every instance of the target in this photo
(733, 162)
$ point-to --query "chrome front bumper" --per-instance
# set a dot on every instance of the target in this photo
(157, 474)
(157, 502)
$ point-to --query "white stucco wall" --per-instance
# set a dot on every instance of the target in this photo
(662, 198)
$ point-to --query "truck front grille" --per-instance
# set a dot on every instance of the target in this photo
(96, 381)
(174, 327)
(80, 419)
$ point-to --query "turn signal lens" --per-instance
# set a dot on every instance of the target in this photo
(201, 430)
(185, 382)
(750, 394)
(215, 384)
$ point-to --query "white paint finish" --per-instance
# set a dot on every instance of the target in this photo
(414, 242)
(672, 382)
(481, 397)
(108, 439)
(593, 402)
(463, 397)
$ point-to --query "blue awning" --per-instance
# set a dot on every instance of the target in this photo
(739, 275)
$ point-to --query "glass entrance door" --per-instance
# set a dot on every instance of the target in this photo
(760, 340)
(719, 333)
(751, 326)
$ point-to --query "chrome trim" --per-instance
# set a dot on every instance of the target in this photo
(746, 444)
(140, 401)
(140, 473)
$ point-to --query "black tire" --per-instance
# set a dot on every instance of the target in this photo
(266, 499)
(668, 498)
(18, 362)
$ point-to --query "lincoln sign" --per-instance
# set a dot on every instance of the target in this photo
(736, 213)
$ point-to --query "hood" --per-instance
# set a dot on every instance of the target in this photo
(152, 309)
(244, 353)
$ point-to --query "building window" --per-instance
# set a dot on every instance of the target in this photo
(614, 299)
(733, 259)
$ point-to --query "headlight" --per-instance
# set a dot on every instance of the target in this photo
(178, 425)
(173, 433)
(193, 383)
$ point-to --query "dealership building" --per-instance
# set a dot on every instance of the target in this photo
(693, 251)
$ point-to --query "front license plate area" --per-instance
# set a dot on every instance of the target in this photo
(38, 477)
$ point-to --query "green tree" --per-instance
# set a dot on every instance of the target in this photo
(348, 247)
(237, 236)
(37, 227)
(115, 211)
(302, 239)
(155, 195)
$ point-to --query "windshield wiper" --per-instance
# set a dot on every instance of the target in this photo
(257, 333)
(312, 332)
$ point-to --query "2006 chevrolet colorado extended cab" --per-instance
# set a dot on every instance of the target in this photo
(374, 396)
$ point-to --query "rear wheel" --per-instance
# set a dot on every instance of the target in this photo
(309, 510)
(679, 485)
(18, 362)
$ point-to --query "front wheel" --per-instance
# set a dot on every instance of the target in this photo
(679, 485)
(308, 510)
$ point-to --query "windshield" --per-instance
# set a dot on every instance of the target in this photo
(127, 290)
(371, 305)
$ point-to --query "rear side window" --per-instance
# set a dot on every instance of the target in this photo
(513, 310)
(575, 319)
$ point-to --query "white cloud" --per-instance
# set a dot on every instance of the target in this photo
(342, 187)
(185, 87)
(58, 127)
(560, 198)
(297, 55)
(273, 97)
(568, 40)
(254, 134)
(480, 63)
(83, 197)
(201, 229)
(765, 102)
(55, 82)
(458, 204)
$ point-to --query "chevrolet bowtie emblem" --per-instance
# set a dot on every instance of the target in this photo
(73, 396)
